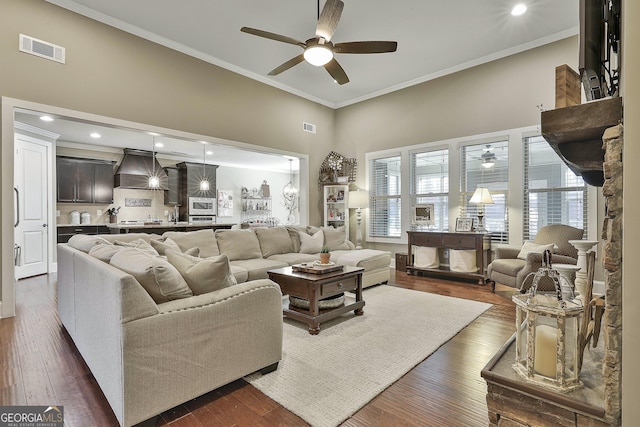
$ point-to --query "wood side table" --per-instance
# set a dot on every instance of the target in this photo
(314, 287)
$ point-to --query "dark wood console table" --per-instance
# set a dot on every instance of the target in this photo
(479, 242)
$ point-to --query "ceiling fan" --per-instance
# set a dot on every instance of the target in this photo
(319, 50)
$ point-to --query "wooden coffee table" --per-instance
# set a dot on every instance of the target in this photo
(314, 287)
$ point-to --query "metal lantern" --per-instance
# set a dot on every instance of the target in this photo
(547, 332)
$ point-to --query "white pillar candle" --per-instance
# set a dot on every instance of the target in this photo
(546, 343)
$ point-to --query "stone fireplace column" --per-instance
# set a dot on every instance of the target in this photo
(612, 263)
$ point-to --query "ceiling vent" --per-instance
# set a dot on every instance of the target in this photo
(41, 48)
(308, 127)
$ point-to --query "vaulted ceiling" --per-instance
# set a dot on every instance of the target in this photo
(434, 37)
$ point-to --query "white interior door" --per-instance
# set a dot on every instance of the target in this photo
(31, 206)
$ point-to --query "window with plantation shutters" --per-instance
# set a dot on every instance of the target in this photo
(553, 194)
(429, 172)
(385, 219)
(486, 165)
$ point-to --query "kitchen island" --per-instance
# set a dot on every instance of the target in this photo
(161, 227)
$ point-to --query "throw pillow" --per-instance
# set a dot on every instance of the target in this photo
(528, 247)
(164, 243)
(105, 252)
(157, 276)
(295, 237)
(84, 242)
(193, 252)
(138, 244)
(238, 244)
(311, 244)
(335, 238)
(203, 275)
(274, 241)
(203, 239)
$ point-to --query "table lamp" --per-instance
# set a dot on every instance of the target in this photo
(481, 197)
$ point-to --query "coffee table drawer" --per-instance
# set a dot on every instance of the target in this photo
(337, 287)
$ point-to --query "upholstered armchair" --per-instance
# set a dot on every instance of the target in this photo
(511, 265)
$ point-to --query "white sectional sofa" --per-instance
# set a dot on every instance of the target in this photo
(157, 331)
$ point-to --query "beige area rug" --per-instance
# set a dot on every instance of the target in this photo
(326, 378)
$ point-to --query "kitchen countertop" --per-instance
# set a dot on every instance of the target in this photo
(179, 224)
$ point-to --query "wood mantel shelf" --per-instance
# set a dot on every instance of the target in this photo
(575, 133)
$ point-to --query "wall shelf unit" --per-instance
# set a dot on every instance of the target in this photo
(336, 206)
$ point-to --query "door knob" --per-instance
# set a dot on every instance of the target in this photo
(44, 225)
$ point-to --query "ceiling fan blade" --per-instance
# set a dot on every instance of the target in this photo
(272, 36)
(365, 47)
(329, 18)
(336, 72)
(284, 67)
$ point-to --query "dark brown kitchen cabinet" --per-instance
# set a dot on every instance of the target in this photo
(172, 195)
(84, 180)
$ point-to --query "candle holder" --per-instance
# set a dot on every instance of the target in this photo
(547, 333)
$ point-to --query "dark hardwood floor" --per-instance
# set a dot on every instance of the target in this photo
(39, 365)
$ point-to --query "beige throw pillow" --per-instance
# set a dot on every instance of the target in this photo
(156, 275)
(528, 247)
(335, 238)
(84, 242)
(203, 239)
(164, 243)
(105, 252)
(274, 241)
(203, 275)
(138, 244)
(311, 244)
(238, 244)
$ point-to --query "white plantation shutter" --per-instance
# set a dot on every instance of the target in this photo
(385, 218)
(495, 178)
(429, 172)
(553, 194)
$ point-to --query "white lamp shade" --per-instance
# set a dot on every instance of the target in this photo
(318, 55)
(359, 199)
(481, 195)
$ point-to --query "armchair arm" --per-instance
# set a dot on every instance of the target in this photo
(506, 252)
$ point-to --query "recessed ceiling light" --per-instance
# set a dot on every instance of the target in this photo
(46, 118)
(95, 135)
(153, 133)
(209, 153)
(159, 144)
(519, 9)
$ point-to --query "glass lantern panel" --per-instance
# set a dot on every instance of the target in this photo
(571, 346)
(521, 338)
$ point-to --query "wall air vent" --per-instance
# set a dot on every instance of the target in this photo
(308, 127)
(41, 48)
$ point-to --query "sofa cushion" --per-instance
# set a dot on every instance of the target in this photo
(203, 274)
(129, 237)
(257, 268)
(335, 238)
(295, 237)
(369, 259)
(105, 252)
(164, 243)
(137, 244)
(157, 276)
(507, 266)
(84, 242)
(274, 241)
(238, 244)
(240, 273)
(203, 239)
(533, 247)
(311, 244)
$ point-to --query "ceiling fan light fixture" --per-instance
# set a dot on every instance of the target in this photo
(318, 55)
(487, 163)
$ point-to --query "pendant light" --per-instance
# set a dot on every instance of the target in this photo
(154, 181)
(204, 182)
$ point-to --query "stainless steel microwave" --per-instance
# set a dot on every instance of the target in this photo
(202, 206)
